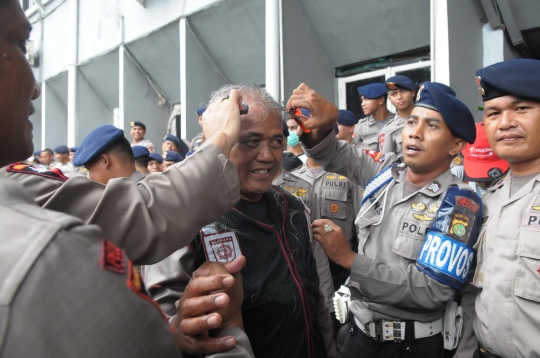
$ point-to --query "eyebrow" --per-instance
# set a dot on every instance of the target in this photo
(429, 119)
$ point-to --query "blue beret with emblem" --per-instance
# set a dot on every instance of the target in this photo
(61, 149)
(456, 115)
(37, 153)
(200, 111)
(158, 158)
(400, 81)
(373, 90)
(519, 77)
(139, 151)
(172, 138)
(95, 142)
(347, 118)
(172, 156)
(137, 124)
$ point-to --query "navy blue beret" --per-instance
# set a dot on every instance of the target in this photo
(95, 142)
(37, 153)
(347, 118)
(373, 90)
(520, 77)
(442, 86)
(173, 156)
(158, 158)
(200, 111)
(61, 149)
(138, 124)
(400, 81)
(456, 115)
(172, 138)
(139, 151)
(74, 149)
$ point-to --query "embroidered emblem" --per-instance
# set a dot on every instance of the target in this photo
(418, 207)
(301, 192)
(331, 176)
(381, 140)
(433, 210)
(334, 208)
(221, 247)
(391, 86)
(286, 175)
(479, 85)
(434, 187)
(495, 173)
(538, 270)
(418, 97)
(373, 154)
(112, 257)
(132, 124)
(22, 168)
(457, 160)
(342, 177)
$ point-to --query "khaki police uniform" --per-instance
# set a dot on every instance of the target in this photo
(366, 132)
(391, 234)
(59, 292)
(390, 136)
(328, 196)
(508, 271)
(145, 143)
(196, 142)
(149, 218)
(67, 168)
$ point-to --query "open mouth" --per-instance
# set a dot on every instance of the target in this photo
(412, 149)
(261, 171)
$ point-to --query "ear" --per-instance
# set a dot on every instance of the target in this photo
(350, 129)
(458, 146)
(382, 100)
(105, 161)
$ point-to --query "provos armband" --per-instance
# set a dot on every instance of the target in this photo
(447, 254)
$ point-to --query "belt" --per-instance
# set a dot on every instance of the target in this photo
(484, 353)
(395, 330)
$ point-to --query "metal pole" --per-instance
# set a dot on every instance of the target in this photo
(273, 85)
(72, 72)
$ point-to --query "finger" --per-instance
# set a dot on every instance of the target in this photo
(200, 286)
(197, 325)
(236, 265)
(235, 97)
(198, 306)
(215, 345)
(210, 268)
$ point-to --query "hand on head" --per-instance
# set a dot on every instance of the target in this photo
(210, 304)
(221, 121)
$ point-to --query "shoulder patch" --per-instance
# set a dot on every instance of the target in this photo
(377, 156)
(22, 168)
(286, 175)
(112, 257)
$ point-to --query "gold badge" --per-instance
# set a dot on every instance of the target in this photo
(132, 123)
(301, 192)
(290, 189)
(418, 207)
(331, 176)
(422, 217)
(342, 177)
(479, 85)
(334, 208)
(391, 86)
(459, 225)
(433, 210)
(537, 208)
(419, 92)
(457, 160)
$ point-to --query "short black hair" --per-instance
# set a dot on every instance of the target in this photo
(143, 161)
(121, 147)
(48, 150)
(290, 162)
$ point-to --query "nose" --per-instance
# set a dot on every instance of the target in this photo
(265, 154)
(507, 120)
(37, 91)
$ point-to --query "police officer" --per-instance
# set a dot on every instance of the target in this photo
(397, 304)
(93, 279)
(198, 140)
(170, 142)
(141, 155)
(507, 275)
(170, 157)
(137, 132)
(366, 132)
(155, 163)
(63, 163)
(346, 123)
(401, 91)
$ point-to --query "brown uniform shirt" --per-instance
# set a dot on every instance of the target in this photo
(390, 234)
(149, 218)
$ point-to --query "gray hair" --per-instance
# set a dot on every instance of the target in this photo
(260, 96)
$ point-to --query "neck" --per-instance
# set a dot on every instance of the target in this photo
(312, 164)
(421, 179)
(405, 113)
(296, 150)
(65, 161)
(381, 114)
(525, 168)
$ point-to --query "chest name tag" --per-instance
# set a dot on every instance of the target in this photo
(446, 256)
(221, 247)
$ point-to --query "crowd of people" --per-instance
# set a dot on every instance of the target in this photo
(275, 234)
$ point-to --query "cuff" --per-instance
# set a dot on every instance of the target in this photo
(325, 143)
(360, 270)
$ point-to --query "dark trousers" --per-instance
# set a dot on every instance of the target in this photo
(353, 343)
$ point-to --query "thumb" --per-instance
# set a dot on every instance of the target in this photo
(236, 265)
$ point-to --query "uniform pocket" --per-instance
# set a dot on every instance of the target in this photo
(407, 247)
(334, 203)
(527, 275)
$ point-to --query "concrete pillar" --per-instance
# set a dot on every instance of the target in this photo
(273, 76)
(73, 49)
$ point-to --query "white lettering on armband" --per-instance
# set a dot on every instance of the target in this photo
(446, 257)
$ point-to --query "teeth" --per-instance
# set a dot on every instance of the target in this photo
(262, 171)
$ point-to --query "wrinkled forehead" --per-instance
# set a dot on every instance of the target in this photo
(260, 115)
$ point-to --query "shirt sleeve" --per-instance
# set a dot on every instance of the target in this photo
(357, 164)
(394, 285)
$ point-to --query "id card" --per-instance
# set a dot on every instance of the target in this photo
(221, 247)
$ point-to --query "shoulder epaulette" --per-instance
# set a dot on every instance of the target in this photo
(23, 168)
(377, 182)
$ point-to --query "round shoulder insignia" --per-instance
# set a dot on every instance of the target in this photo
(334, 208)
(457, 160)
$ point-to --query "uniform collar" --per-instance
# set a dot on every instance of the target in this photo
(137, 176)
(434, 188)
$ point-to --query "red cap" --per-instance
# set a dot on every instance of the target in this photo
(480, 163)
